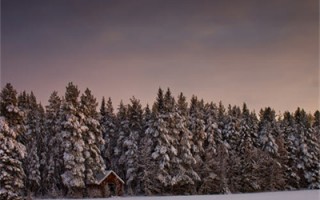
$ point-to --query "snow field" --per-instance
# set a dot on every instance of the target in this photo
(287, 195)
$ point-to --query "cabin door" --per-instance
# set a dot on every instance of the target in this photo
(112, 189)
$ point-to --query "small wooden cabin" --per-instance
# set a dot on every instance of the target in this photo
(106, 185)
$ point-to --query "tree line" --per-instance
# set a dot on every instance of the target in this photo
(173, 147)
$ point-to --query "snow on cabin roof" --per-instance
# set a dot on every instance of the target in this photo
(102, 176)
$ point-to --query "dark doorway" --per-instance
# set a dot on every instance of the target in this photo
(112, 189)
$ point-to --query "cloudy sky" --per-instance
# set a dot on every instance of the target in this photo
(261, 52)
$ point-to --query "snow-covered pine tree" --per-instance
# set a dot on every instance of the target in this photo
(109, 129)
(269, 172)
(131, 147)
(211, 125)
(10, 110)
(182, 105)
(308, 152)
(290, 132)
(316, 125)
(92, 137)
(302, 126)
(147, 115)
(316, 145)
(268, 134)
(219, 165)
(157, 177)
(197, 128)
(232, 141)
(187, 179)
(230, 132)
(33, 142)
(23, 102)
(119, 159)
(172, 138)
(169, 143)
(208, 175)
(146, 146)
(158, 106)
(254, 126)
(281, 163)
(72, 142)
(169, 102)
(221, 122)
(246, 152)
(12, 153)
(53, 162)
(102, 118)
(42, 146)
(268, 131)
(248, 129)
(143, 145)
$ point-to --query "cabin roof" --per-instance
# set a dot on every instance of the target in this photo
(100, 177)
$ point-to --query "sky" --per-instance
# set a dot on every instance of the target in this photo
(264, 53)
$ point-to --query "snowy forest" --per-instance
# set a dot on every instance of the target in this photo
(172, 147)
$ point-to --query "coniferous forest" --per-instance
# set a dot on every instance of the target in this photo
(171, 147)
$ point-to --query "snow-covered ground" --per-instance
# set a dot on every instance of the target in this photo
(292, 195)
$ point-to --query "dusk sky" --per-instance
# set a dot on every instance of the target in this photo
(264, 53)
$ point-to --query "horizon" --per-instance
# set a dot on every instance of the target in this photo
(263, 54)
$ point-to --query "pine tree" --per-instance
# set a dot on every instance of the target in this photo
(12, 153)
(146, 145)
(248, 129)
(308, 152)
(269, 172)
(51, 179)
(72, 141)
(33, 144)
(315, 137)
(170, 140)
(268, 131)
(10, 110)
(131, 146)
(290, 132)
(232, 141)
(92, 137)
(231, 130)
(109, 129)
(220, 167)
(188, 178)
(182, 105)
(316, 124)
(209, 176)
(8, 106)
(247, 181)
(268, 134)
(197, 128)
(221, 122)
(42, 146)
(23, 101)
(159, 147)
(147, 115)
(158, 106)
(122, 135)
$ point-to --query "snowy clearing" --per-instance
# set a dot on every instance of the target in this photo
(290, 195)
